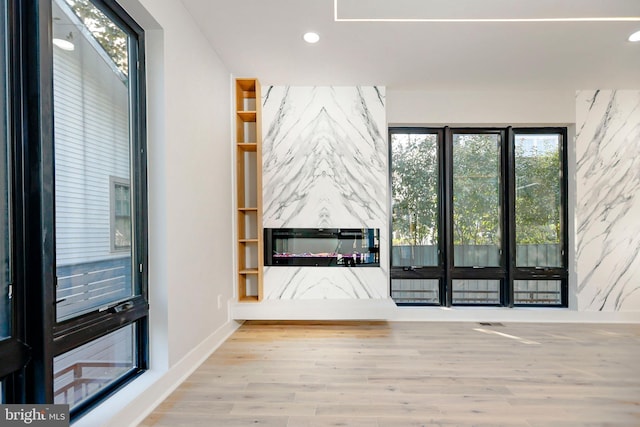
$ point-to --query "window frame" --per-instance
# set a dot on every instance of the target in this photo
(437, 272)
(466, 272)
(507, 272)
(14, 350)
(535, 273)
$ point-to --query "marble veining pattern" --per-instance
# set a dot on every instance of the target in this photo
(324, 283)
(325, 166)
(324, 157)
(608, 200)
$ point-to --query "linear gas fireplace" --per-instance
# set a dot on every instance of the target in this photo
(322, 247)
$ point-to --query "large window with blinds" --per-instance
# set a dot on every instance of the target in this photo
(478, 216)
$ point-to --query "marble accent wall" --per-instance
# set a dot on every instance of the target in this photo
(325, 166)
(608, 200)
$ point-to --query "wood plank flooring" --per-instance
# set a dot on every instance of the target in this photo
(378, 374)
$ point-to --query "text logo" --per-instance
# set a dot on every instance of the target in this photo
(34, 415)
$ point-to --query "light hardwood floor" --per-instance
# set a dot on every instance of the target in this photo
(378, 374)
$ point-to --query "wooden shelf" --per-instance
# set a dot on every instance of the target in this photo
(246, 85)
(247, 116)
(247, 146)
(250, 258)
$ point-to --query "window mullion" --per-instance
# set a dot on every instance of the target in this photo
(509, 205)
(39, 232)
(447, 209)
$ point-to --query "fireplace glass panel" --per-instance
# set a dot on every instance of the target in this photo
(322, 247)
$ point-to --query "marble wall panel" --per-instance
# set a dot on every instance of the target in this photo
(607, 210)
(324, 283)
(324, 165)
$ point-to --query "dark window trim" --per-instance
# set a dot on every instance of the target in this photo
(83, 329)
(470, 272)
(421, 272)
(555, 273)
(15, 353)
(38, 204)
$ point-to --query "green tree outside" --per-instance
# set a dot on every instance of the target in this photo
(476, 168)
(414, 184)
(112, 39)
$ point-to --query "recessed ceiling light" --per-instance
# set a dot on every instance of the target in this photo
(63, 44)
(311, 37)
(635, 37)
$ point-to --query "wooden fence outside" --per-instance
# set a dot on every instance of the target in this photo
(89, 285)
(426, 291)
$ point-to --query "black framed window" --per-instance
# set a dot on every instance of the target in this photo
(475, 205)
(495, 202)
(539, 218)
(416, 251)
(76, 120)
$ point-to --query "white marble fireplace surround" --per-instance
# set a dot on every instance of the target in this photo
(324, 165)
(608, 200)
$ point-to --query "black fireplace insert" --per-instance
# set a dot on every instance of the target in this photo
(322, 247)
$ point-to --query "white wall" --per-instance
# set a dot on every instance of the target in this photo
(480, 108)
(190, 181)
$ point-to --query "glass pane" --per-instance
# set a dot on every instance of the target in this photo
(415, 291)
(5, 242)
(537, 292)
(122, 216)
(538, 185)
(83, 371)
(414, 183)
(476, 292)
(476, 200)
(92, 148)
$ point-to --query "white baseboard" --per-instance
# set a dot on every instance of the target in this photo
(131, 405)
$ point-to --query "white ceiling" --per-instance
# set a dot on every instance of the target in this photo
(263, 38)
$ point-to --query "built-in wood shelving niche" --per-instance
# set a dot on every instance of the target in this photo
(250, 260)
